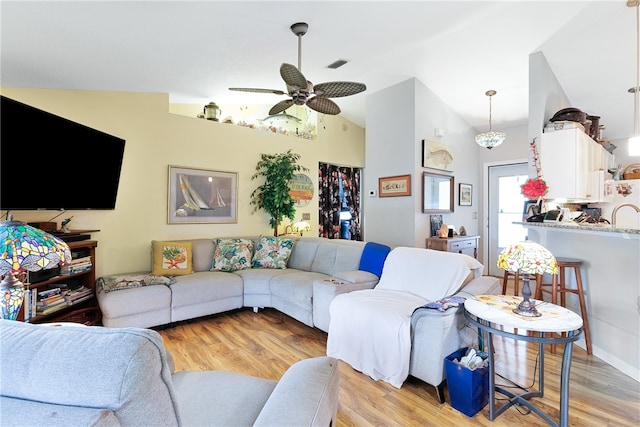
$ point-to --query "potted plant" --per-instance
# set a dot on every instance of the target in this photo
(273, 195)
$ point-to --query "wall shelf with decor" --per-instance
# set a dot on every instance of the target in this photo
(81, 278)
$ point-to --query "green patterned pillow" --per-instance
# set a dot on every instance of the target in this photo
(232, 254)
(272, 252)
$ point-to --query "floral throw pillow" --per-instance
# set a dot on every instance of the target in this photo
(272, 252)
(232, 254)
(171, 258)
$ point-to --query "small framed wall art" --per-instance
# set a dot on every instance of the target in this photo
(465, 194)
(393, 186)
(201, 196)
(436, 155)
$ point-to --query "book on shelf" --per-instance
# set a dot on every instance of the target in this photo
(81, 260)
(74, 269)
(50, 300)
(79, 300)
(80, 293)
(52, 308)
(26, 304)
(46, 293)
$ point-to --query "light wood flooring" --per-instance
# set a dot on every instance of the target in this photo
(266, 343)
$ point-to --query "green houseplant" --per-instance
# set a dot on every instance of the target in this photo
(273, 195)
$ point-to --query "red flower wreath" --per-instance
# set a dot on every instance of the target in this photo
(534, 188)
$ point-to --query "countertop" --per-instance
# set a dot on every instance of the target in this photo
(571, 226)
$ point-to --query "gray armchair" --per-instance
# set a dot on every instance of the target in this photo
(94, 376)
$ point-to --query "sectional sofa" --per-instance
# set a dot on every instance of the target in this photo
(298, 276)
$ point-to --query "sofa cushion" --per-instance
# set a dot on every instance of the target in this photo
(171, 258)
(296, 287)
(220, 398)
(232, 254)
(303, 254)
(272, 252)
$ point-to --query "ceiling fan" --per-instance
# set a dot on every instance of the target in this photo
(301, 91)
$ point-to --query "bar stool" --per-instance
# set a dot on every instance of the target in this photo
(559, 286)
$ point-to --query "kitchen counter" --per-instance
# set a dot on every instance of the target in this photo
(598, 228)
(611, 279)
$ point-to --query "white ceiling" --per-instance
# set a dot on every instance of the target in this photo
(195, 51)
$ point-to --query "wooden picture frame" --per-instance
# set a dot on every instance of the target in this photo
(437, 193)
(465, 194)
(202, 196)
(394, 186)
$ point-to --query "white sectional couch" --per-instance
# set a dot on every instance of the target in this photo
(206, 292)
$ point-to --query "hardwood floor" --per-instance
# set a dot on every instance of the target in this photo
(266, 343)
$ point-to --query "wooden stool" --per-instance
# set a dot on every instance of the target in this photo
(559, 286)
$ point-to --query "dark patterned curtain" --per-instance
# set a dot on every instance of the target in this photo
(339, 191)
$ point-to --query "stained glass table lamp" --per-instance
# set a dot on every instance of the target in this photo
(528, 259)
(25, 248)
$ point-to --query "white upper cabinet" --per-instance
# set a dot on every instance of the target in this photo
(573, 165)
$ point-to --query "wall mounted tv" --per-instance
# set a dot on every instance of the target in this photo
(49, 162)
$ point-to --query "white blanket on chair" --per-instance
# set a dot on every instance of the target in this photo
(371, 329)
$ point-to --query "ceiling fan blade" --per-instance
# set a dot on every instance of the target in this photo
(281, 106)
(292, 76)
(248, 89)
(323, 105)
(338, 89)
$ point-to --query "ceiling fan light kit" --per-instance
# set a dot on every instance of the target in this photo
(301, 91)
(490, 139)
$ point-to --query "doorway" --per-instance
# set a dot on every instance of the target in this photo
(505, 205)
(339, 202)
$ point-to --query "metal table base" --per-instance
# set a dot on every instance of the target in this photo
(522, 398)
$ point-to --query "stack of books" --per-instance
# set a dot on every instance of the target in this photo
(78, 295)
(50, 301)
(78, 265)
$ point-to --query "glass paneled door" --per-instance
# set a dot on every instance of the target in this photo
(506, 205)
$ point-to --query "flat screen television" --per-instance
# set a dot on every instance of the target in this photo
(49, 162)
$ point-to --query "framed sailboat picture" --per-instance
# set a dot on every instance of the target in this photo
(201, 196)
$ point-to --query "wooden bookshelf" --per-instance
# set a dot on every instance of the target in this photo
(85, 278)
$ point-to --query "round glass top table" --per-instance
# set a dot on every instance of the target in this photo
(492, 314)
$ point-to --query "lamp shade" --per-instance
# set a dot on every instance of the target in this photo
(301, 226)
(527, 257)
(26, 248)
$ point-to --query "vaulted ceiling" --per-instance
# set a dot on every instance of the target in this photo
(195, 51)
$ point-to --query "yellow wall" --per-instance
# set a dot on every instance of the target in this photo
(155, 139)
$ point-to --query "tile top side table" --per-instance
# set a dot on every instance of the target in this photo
(493, 313)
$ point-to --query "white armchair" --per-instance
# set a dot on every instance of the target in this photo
(377, 332)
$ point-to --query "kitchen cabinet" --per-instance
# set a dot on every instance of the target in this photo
(574, 165)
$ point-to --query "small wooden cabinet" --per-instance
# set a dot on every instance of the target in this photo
(86, 278)
(454, 244)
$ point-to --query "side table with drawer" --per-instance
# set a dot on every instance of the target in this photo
(454, 244)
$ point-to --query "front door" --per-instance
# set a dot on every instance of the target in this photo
(506, 205)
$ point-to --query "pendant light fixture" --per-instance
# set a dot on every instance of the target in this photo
(634, 141)
(490, 139)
